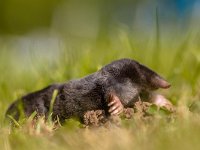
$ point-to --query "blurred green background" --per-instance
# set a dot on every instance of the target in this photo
(48, 41)
(162, 34)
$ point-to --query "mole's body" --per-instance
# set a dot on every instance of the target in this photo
(125, 79)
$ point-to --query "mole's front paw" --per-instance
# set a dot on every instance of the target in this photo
(161, 101)
(115, 105)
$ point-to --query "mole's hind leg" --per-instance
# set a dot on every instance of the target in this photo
(115, 105)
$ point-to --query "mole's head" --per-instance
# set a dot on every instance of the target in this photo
(152, 80)
(139, 74)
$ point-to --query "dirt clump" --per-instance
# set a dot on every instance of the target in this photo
(94, 118)
(98, 117)
(140, 110)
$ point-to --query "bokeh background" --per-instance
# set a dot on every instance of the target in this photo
(48, 41)
(79, 37)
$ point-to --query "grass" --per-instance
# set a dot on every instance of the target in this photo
(178, 61)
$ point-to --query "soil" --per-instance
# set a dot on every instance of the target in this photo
(96, 118)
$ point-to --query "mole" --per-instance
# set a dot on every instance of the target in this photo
(114, 87)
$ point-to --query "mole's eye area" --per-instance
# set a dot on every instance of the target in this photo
(159, 82)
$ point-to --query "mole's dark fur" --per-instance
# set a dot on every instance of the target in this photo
(125, 78)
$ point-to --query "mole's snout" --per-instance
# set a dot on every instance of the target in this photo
(165, 84)
(161, 83)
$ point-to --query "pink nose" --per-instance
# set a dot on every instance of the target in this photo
(164, 84)
(161, 83)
